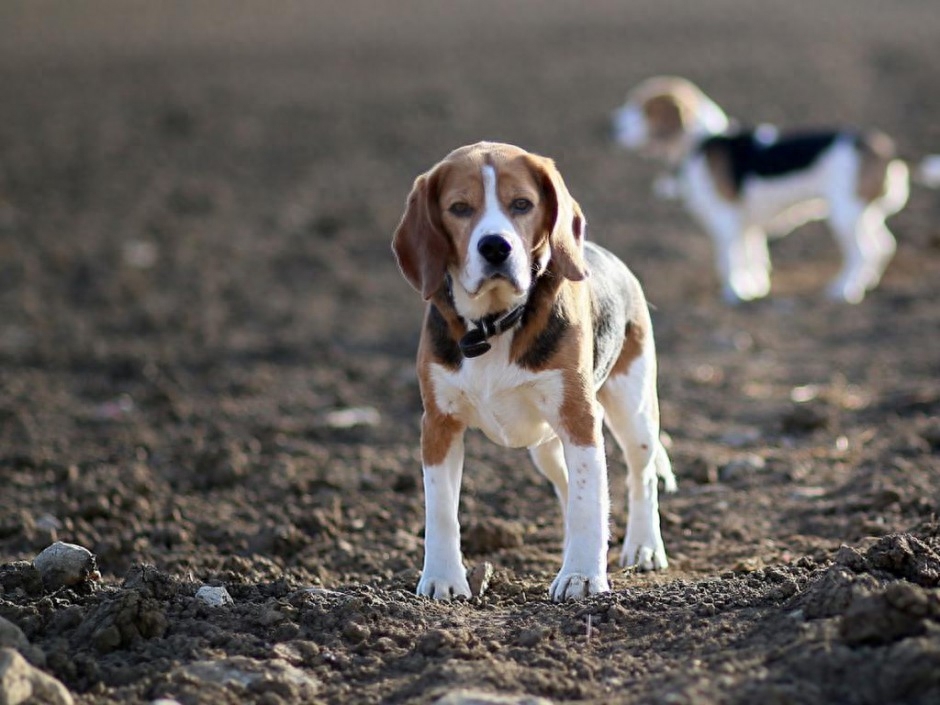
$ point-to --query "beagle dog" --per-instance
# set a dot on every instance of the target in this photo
(741, 184)
(535, 337)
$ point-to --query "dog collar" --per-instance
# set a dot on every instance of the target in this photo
(474, 344)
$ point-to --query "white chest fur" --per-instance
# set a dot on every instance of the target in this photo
(512, 406)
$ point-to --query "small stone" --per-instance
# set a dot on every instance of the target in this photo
(21, 682)
(239, 675)
(66, 565)
(354, 416)
(214, 596)
(479, 578)
(477, 697)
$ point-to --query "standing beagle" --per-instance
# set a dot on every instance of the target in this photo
(533, 336)
(741, 184)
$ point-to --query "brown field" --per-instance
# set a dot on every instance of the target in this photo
(196, 205)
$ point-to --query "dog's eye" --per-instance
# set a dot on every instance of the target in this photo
(460, 209)
(520, 206)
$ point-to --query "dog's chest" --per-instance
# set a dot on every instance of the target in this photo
(512, 406)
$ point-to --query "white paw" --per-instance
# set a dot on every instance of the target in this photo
(746, 287)
(443, 587)
(846, 292)
(576, 586)
(643, 556)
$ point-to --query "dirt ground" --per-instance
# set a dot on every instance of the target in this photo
(207, 378)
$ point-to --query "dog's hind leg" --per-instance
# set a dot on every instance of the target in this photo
(867, 247)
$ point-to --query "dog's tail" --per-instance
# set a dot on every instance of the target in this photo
(928, 171)
(664, 468)
(897, 187)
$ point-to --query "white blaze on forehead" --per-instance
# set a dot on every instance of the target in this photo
(476, 271)
(494, 220)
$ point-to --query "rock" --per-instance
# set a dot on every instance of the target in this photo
(21, 682)
(249, 679)
(354, 416)
(66, 565)
(214, 596)
(479, 578)
(477, 697)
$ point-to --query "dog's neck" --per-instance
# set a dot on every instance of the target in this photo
(475, 331)
(709, 120)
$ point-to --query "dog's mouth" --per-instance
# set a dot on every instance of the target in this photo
(496, 282)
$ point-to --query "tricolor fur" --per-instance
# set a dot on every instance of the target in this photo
(489, 229)
(742, 184)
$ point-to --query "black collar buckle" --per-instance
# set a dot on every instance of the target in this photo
(474, 344)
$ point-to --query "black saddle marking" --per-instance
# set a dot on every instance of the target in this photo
(750, 155)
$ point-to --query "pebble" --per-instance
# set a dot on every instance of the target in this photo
(479, 578)
(354, 416)
(66, 564)
(214, 596)
(240, 673)
(21, 682)
(476, 697)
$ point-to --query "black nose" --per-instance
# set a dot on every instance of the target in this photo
(494, 249)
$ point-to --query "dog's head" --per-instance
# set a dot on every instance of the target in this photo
(494, 217)
(664, 115)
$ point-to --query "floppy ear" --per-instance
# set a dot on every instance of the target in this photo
(566, 222)
(666, 115)
(420, 245)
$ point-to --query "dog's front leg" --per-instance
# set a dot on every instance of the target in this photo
(443, 576)
(584, 566)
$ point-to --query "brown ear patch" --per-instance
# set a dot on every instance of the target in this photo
(420, 244)
(564, 221)
(664, 116)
